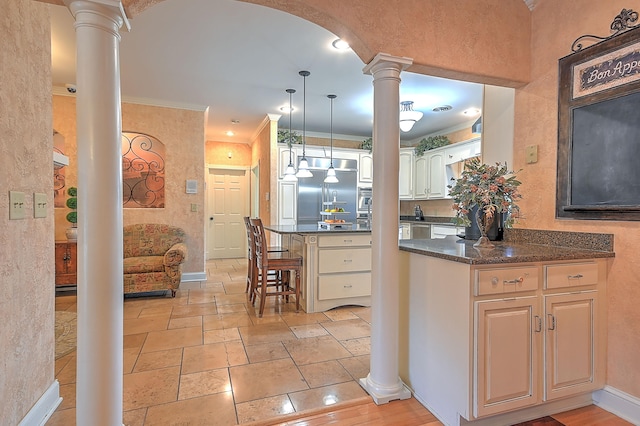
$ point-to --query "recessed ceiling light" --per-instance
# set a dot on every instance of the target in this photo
(442, 108)
(235, 121)
(286, 109)
(471, 111)
(340, 44)
(229, 133)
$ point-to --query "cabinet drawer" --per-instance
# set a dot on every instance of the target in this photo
(344, 240)
(571, 274)
(341, 286)
(344, 260)
(506, 280)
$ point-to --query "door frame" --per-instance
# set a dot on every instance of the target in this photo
(208, 167)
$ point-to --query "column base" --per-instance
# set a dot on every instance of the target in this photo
(383, 395)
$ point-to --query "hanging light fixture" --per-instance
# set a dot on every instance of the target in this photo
(290, 173)
(408, 117)
(331, 172)
(303, 165)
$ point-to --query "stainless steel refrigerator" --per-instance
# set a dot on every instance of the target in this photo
(312, 192)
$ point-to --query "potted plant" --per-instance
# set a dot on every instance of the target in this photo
(283, 137)
(72, 216)
(432, 142)
(482, 193)
(367, 144)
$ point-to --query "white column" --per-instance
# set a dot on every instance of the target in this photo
(100, 252)
(383, 382)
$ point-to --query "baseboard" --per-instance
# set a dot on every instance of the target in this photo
(619, 403)
(193, 276)
(44, 408)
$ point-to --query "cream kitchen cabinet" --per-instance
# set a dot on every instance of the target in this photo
(283, 162)
(430, 176)
(365, 169)
(405, 179)
(287, 194)
(499, 344)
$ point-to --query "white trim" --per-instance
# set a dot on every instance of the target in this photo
(193, 276)
(619, 403)
(44, 408)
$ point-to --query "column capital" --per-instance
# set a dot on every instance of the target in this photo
(111, 9)
(384, 60)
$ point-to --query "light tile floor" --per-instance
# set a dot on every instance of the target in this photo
(204, 357)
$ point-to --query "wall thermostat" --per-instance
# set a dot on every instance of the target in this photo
(192, 186)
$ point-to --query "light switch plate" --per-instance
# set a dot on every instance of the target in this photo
(194, 207)
(39, 205)
(531, 154)
(16, 205)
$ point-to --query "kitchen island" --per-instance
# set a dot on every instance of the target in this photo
(503, 335)
(336, 269)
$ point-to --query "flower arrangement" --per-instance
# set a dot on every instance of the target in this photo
(367, 144)
(432, 142)
(283, 137)
(487, 187)
(72, 203)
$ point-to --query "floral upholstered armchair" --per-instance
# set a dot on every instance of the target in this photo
(153, 257)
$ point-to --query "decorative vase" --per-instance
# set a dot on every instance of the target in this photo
(493, 232)
(72, 233)
(484, 222)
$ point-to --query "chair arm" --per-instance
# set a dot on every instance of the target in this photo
(175, 255)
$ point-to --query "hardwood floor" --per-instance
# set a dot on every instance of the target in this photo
(411, 413)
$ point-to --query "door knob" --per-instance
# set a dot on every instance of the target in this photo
(211, 218)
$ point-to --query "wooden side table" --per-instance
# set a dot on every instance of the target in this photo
(66, 263)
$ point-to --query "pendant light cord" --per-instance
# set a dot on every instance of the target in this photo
(290, 92)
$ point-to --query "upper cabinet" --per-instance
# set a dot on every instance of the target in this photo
(365, 169)
(405, 180)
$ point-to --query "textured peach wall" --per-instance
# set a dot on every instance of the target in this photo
(556, 24)
(261, 153)
(218, 153)
(182, 133)
(26, 252)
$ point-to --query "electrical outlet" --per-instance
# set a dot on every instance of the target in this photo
(16, 205)
(39, 205)
(531, 154)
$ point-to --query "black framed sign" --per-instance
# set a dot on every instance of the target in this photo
(599, 130)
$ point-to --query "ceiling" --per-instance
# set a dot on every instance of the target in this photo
(238, 59)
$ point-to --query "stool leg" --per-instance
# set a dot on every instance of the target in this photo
(297, 289)
(263, 292)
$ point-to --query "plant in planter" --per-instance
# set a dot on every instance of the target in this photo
(492, 190)
(432, 142)
(72, 216)
(367, 144)
(283, 137)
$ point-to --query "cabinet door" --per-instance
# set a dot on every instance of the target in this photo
(406, 175)
(421, 183)
(436, 176)
(365, 168)
(506, 353)
(66, 256)
(287, 214)
(284, 160)
(570, 340)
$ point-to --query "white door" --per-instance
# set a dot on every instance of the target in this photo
(228, 203)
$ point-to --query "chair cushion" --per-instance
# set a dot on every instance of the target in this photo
(142, 264)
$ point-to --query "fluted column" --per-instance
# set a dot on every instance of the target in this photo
(383, 382)
(100, 253)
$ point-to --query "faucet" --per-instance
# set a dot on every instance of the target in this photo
(418, 212)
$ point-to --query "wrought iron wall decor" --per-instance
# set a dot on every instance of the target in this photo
(59, 178)
(598, 127)
(143, 168)
(620, 24)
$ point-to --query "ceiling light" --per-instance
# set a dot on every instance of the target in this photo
(229, 133)
(235, 121)
(442, 108)
(340, 44)
(331, 172)
(471, 112)
(290, 173)
(286, 109)
(303, 165)
(408, 117)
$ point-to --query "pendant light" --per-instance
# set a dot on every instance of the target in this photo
(290, 173)
(303, 165)
(408, 117)
(331, 172)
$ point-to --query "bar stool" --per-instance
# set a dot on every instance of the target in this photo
(253, 274)
(280, 262)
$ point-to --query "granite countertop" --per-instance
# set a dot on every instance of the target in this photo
(517, 249)
(313, 229)
(431, 220)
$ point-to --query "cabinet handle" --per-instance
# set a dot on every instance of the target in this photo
(553, 321)
(514, 281)
(348, 241)
(575, 277)
(348, 260)
(348, 286)
(538, 324)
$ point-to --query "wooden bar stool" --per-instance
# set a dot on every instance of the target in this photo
(253, 274)
(280, 262)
